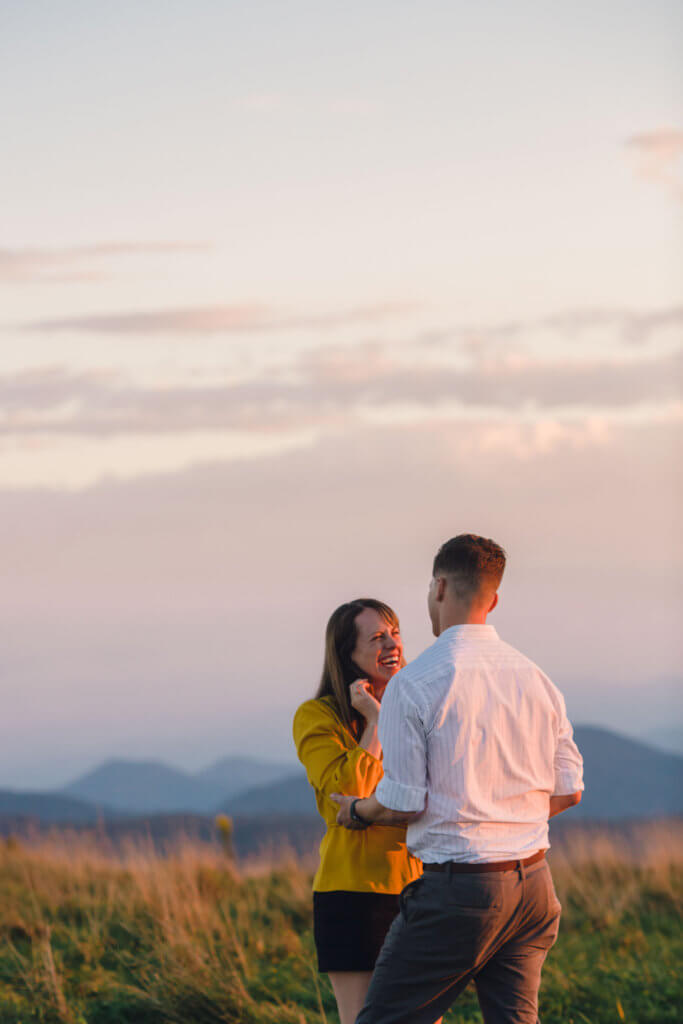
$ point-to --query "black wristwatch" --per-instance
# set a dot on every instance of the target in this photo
(355, 816)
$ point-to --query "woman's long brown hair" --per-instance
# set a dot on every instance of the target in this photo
(339, 669)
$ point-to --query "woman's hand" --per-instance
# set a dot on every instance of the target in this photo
(363, 700)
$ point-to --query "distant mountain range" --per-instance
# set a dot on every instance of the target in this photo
(151, 787)
(291, 795)
(625, 779)
(668, 738)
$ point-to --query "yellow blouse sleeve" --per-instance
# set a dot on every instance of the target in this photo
(324, 748)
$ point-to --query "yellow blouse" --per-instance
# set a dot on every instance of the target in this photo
(375, 859)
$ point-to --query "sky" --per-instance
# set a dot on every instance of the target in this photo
(289, 295)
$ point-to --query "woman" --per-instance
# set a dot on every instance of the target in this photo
(361, 873)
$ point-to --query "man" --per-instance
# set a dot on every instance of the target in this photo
(478, 754)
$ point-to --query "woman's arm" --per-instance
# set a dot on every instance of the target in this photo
(369, 739)
(330, 765)
(364, 701)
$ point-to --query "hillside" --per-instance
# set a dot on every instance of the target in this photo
(130, 936)
(627, 779)
(48, 807)
(145, 787)
(292, 795)
(258, 835)
(233, 775)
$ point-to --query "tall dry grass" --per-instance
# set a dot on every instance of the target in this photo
(90, 934)
(176, 936)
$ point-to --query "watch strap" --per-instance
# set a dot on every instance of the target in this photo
(355, 816)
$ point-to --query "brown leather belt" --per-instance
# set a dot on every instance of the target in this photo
(456, 868)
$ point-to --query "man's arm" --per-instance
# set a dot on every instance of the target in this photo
(371, 811)
(568, 764)
(563, 803)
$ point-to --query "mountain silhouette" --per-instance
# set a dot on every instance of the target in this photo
(625, 779)
(152, 787)
(233, 775)
(141, 787)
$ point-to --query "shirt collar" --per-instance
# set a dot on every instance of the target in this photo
(470, 631)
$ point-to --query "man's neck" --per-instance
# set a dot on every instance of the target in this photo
(471, 618)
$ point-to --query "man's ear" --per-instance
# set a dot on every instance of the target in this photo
(440, 588)
(493, 603)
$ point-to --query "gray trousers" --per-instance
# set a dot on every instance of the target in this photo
(494, 928)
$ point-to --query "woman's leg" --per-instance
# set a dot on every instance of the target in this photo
(350, 989)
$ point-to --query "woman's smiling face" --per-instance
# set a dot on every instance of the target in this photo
(379, 649)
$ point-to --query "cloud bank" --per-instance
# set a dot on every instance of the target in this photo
(58, 265)
(329, 385)
(213, 319)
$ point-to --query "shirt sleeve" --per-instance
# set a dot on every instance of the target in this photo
(568, 765)
(330, 765)
(404, 747)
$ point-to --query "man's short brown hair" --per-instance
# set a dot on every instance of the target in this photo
(470, 562)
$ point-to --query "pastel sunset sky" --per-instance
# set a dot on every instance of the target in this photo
(290, 293)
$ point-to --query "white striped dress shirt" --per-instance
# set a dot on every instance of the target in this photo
(475, 733)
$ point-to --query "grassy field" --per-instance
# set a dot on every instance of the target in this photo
(92, 937)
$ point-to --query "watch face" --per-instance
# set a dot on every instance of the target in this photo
(355, 815)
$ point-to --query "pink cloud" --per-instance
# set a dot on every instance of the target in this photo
(332, 387)
(211, 319)
(658, 156)
(73, 263)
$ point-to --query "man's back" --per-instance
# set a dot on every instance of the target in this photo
(478, 754)
(484, 733)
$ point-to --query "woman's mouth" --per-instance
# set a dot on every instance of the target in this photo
(390, 662)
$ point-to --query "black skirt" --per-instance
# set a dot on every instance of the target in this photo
(349, 928)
